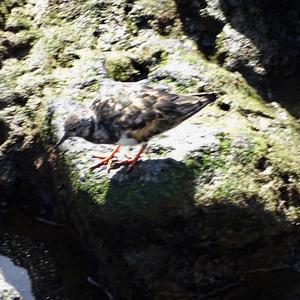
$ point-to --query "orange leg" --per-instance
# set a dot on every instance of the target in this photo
(106, 159)
(132, 161)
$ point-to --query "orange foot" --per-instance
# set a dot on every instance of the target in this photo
(130, 162)
(106, 159)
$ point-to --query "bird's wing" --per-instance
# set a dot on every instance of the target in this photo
(142, 111)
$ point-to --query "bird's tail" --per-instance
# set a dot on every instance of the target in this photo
(190, 104)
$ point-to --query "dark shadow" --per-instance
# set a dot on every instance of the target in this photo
(286, 91)
(149, 238)
(270, 27)
(3, 132)
(274, 30)
(280, 284)
(30, 205)
(149, 190)
(16, 50)
(10, 97)
(52, 256)
(202, 29)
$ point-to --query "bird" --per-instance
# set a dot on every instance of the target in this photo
(131, 113)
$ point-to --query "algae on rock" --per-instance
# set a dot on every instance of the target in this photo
(182, 222)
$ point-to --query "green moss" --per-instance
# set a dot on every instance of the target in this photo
(94, 189)
(57, 44)
(206, 162)
(204, 165)
(5, 8)
(120, 67)
(45, 129)
(225, 143)
(19, 19)
(158, 8)
(245, 157)
(225, 191)
(182, 87)
(2, 21)
(133, 196)
(190, 56)
(187, 86)
(160, 16)
(144, 198)
(283, 151)
(9, 76)
(236, 86)
(132, 26)
(59, 13)
(150, 56)
(220, 54)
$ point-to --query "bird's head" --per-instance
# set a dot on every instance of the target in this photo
(79, 124)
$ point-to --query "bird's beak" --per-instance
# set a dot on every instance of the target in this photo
(62, 139)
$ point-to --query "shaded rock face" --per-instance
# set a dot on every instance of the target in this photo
(4, 132)
(212, 200)
(258, 39)
(274, 31)
(33, 259)
(255, 38)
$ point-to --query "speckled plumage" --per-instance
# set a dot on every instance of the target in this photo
(132, 113)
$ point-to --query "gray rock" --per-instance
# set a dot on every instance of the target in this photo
(7, 292)
(210, 198)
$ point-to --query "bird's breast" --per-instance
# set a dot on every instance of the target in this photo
(126, 140)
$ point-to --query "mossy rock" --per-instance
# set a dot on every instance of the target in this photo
(133, 65)
(162, 16)
(234, 184)
(210, 200)
(5, 8)
(120, 67)
(18, 20)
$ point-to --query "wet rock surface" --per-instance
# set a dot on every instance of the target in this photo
(36, 259)
(49, 254)
(8, 292)
(212, 199)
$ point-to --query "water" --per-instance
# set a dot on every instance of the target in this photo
(15, 277)
(43, 262)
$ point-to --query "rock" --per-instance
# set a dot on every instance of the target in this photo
(211, 200)
(145, 14)
(9, 98)
(121, 67)
(7, 292)
(135, 65)
(236, 53)
(259, 41)
(28, 269)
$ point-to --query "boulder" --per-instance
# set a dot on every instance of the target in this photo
(211, 201)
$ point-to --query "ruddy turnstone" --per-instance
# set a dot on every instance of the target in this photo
(131, 114)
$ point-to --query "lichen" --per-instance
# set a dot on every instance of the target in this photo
(120, 67)
(220, 54)
(251, 172)
(19, 19)
(162, 16)
(5, 8)
(134, 64)
(95, 189)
